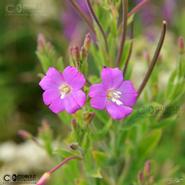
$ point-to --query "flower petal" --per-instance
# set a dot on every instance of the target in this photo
(52, 79)
(117, 112)
(111, 77)
(71, 105)
(50, 95)
(79, 97)
(97, 90)
(98, 102)
(73, 77)
(129, 94)
(57, 105)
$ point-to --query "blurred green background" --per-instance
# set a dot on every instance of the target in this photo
(21, 104)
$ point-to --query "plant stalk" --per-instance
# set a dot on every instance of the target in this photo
(130, 49)
(83, 15)
(154, 59)
(98, 24)
(124, 31)
(137, 7)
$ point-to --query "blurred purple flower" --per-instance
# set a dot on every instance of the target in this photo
(62, 91)
(152, 12)
(74, 26)
(168, 10)
(113, 94)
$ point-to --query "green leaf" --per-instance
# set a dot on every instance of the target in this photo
(49, 58)
(90, 166)
(63, 153)
(60, 64)
(81, 181)
(149, 142)
(100, 158)
(140, 112)
(165, 122)
(44, 60)
(102, 116)
(65, 117)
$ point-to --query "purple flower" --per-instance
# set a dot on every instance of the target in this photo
(74, 26)
(62, 91)
(114, 94)
(169, 9)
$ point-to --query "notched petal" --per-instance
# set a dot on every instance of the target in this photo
(73, 77)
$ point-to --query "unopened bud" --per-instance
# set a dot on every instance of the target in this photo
(141, 177)
(75, 53)
(43, 180)
(88, 117)
(181, 44)
(41, 41)
(87, 41)
(24, 134)
(83, 53)
(74, 146)
(147, 168)
(74, 123)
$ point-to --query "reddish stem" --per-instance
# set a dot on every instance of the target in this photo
(62, 163)
(124, 31)
(82, 14)
(154, 60)
(98, 23)
(137, 7)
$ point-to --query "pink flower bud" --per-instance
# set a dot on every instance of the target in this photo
(41, 41)
(181, 44)
(75, 53)
(147, 168)
(87, 41)
(24, 134)
(74, 123)
(141, 177)
(43, 180)
(83, 53)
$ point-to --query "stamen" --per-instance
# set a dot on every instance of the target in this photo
(64, 90)
(114, 96)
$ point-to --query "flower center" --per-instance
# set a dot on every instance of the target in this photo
(114, 96)
(64, 90)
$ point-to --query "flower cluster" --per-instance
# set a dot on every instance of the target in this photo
(63, 91)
